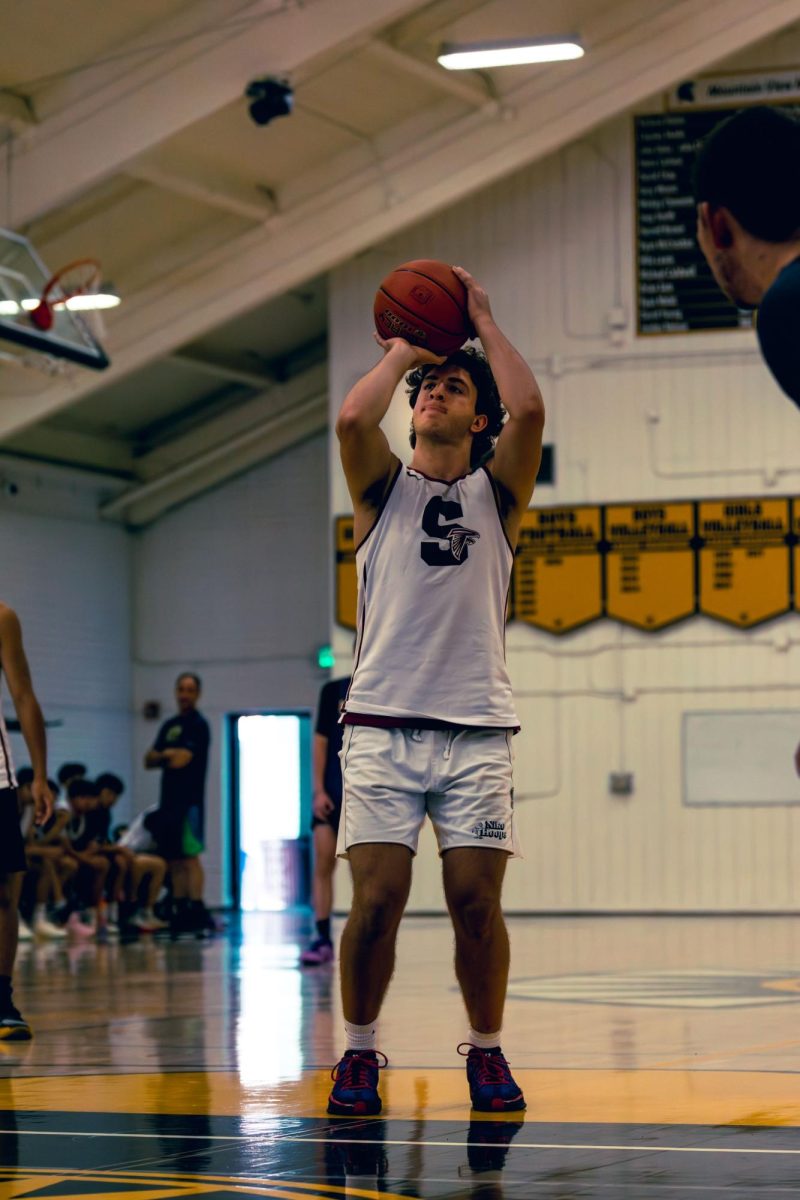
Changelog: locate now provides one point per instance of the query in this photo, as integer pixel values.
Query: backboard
(23, 277)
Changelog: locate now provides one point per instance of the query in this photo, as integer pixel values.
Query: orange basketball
(426, 303)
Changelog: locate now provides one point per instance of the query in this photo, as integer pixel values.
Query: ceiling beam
(257, 208)
(16, 112)
(136, 107)
(231, 372)
(441, 169)
(240, 439)
(464, 89)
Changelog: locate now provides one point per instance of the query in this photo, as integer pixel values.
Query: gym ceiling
(125, 134)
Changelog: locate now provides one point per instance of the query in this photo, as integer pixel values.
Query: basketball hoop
(79, 278)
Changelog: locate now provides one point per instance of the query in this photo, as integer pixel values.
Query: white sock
(484, 1041)
(359, 1037)
(39, 914)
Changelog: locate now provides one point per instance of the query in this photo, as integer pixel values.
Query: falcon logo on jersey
(451, 547)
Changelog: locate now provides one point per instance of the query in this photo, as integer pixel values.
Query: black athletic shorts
(12, 847)
(178, 830)
(333, 817)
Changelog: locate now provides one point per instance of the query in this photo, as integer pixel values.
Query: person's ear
(480, 423)
(720, 225)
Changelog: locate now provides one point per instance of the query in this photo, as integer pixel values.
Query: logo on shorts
(490, 829)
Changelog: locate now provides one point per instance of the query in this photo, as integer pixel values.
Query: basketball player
(14, 666)
(326, 812)
(429, 716)
(747, 188)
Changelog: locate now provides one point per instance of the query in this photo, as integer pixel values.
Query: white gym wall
(692, 416)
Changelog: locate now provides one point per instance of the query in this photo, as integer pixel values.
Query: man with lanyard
(180, 752)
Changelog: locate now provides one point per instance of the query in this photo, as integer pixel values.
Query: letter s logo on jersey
(451, 547)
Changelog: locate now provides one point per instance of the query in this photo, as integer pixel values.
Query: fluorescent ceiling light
(90, 302)
(509, 54)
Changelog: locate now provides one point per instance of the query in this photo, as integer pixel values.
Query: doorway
(271, 806)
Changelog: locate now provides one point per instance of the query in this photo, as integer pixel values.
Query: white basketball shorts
(394, 778)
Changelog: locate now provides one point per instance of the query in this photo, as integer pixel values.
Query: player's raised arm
(367, 459)
(518, 452)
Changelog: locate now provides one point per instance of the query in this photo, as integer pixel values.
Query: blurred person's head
(83, 795)
(187, 691)
(747, 191)
(69, 771)
(109, 789)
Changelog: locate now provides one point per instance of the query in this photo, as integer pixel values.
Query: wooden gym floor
(660, 1058)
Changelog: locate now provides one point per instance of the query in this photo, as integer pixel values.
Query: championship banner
(650, 564)
(744, 560)
(557, 583)
(346, 580)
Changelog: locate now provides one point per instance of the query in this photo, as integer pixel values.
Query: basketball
(426, 303)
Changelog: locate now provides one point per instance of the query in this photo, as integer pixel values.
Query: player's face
(445, 405)
(187, 693)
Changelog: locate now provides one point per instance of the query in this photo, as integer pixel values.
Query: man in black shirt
(747, 188)
(327, 808)
(180, 752)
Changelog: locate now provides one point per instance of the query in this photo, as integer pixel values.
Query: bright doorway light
(481, 55)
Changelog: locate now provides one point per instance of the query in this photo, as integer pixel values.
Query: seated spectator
(69, 771)
(93, 866)
(147, 865)
(48, 863)
(109, 789)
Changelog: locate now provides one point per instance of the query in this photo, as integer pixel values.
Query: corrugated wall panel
(683, 416)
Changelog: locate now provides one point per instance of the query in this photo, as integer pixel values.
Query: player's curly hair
(487, 402)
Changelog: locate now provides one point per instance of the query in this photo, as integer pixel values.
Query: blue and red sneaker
(492, 1087)
(355, 1084)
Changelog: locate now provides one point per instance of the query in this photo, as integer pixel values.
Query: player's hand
(417, 356)
(42, 801)
(322, 805)
(478, 305)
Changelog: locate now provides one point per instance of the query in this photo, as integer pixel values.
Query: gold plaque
(557, 581)
(650, 563)
(346, 574)
(744, 562)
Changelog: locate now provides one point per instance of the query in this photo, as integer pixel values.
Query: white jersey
(433, 579)
(7, 777)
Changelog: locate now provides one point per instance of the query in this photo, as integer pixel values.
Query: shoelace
(491, 1068)
(352, 1071)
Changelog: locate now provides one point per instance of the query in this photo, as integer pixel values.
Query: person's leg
(155, 869)
(195, 878)
(12, 1026)
(10, 889)
(321, 949)
(381, 881)
(473, 881)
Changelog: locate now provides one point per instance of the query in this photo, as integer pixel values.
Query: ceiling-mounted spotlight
(476, 55)
(269, 98)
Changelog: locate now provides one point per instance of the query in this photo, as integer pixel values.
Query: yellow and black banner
(649, 564)
(557, 583)
(745, 564)
(346, 574)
